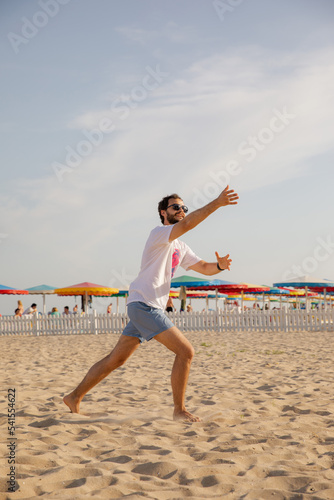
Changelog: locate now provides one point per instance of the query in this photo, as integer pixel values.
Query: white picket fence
(221, 321)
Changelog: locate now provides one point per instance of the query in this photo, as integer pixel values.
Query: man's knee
(187, 352)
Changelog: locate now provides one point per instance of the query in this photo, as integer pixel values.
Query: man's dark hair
(33, 305)
(163, 204)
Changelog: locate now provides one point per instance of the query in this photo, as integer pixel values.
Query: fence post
(94, 323)
(34, 321)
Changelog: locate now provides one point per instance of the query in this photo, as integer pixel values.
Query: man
(66, 311)
(148, 295)
(32, 310)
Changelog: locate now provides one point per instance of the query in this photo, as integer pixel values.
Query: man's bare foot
(185, 416)
(72, 403)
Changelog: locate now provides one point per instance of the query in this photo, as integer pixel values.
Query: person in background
(109, 309)
(66, 311)
(183, 298)
(54, 312)
(20, 307)
(170, 306)
(189, 308)
(75, 309)
(18, 313)
(31, 310)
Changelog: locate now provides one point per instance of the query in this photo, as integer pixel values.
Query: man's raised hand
(223, 262)
(228, 197)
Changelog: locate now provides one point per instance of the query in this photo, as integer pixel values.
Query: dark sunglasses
(178, 207)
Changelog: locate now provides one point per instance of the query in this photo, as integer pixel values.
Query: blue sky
(110, 105)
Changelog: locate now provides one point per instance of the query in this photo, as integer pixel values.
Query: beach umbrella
(287, 292)
(309, 283)
(219, 285)
(120, 293)
(206, 284)
(302, 293)
(317, 285)
(192, 294)
(249, 288)
(41, 290)
(86, 289)
(7, 290)
(188, 281)
(272, 290)
(189, 294)
(191, 283)
(198, 294)
(219, 295)
(239, 296)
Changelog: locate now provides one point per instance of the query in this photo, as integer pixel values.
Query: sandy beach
(266, 403)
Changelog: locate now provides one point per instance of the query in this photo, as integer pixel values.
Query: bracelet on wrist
(220, 269)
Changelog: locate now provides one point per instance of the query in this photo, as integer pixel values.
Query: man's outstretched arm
(226, 197)
(211, 268)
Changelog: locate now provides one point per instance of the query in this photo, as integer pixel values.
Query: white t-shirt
(30, 311)
(160, 260)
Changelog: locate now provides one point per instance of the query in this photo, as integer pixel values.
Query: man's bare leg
(121, 352)
(175, 341)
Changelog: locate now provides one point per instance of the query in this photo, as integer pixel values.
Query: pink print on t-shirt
(175, 260)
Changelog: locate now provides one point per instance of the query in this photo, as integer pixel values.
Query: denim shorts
(145, 321)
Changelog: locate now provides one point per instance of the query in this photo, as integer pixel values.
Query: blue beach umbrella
(274, 290)
(203, 284)
(7, 290)
(192, 283)
(41, 290)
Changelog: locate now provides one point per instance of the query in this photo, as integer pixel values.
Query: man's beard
(172, 219)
